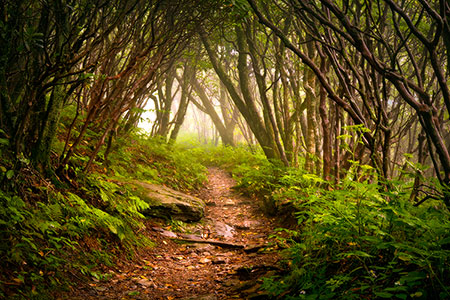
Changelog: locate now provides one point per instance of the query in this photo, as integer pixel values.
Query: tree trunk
(309, 84)
(42, 149)
(188, 73)
(271, 124)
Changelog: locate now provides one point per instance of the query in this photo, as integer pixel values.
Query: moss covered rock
(168, 203)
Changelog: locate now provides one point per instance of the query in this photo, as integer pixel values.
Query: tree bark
(189, 72)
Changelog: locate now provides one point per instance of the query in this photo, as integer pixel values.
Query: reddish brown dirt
(175, 270)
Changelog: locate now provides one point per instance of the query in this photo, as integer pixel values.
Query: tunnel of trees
(298, 79)
(329, 87)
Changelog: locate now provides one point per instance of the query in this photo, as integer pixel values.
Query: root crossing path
(180, 268)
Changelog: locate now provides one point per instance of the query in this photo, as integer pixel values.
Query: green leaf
(384, 295)
(358, 253)
(412, 277)
(445, 241)
(396, 289)
(9, 174)
(133, 293)
(112, 228)
(405, 256)
(344, 136)
(104, 196)
(416, 295)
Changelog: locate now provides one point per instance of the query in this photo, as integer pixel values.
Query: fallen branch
(254, 248)
(212, 242)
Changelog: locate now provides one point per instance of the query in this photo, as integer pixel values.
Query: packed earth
(224, 256)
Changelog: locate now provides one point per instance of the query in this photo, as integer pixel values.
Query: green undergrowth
(356, 242)
(225, 157)
(43, 242)
(55, 232)
(358, 239)
(254, 174)
(154, 160)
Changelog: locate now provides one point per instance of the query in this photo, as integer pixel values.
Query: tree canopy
(281, 68)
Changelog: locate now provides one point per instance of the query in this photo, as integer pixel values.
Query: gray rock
(168, 234)
(145, 282)
(229, 202)
(166, 202)
(219, 261)
(224, 230)
(165, 233)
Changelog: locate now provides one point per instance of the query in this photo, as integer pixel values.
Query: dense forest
(332, 116)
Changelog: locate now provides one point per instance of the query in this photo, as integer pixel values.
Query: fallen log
(212, 242)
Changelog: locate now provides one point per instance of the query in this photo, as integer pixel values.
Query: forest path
(179, 270)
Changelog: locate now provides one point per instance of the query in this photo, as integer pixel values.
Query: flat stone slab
(224, 230)
(168, 203)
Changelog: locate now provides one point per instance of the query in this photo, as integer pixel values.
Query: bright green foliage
(363, 245)
(89, 217)
(33, 244)
(225, 157)
(358, 239)
(257, 178)
(36, 240)
(355, 241)
(69, 229)
(118, 199)
(151, 159)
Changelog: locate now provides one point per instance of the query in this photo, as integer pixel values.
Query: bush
(357, 242)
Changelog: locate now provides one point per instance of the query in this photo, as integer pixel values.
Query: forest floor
(175, 269)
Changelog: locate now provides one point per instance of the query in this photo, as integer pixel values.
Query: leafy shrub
(354, 243)
(41, 241)
(32, 245)
(257, 179)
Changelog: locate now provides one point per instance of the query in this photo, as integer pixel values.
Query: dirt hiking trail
(175, 269)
